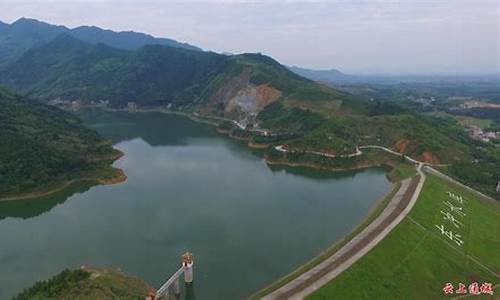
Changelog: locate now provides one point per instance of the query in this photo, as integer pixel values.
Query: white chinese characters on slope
(451, 216)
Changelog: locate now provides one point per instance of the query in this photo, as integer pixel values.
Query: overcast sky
(377, 36)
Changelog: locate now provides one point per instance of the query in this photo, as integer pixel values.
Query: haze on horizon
(358, 37)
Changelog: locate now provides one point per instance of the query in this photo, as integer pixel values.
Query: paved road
(397, 209)
(281, 148)
(391, 151)
(358, 152)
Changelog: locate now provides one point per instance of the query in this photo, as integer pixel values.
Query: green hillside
(69, 69)
(87, 283)
(421, 137)
(44, 147)
(24, 34)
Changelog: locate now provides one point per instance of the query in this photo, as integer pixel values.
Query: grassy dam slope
(417, 259)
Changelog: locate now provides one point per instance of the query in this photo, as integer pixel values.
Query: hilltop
(25, 33)
(331, 75)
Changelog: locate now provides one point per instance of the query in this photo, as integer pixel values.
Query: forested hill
(69, 69)
(43, 147)
(24, 34)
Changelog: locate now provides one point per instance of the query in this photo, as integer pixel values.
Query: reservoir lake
(188, 189)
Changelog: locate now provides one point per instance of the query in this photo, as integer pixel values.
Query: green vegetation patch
(471, 121)
(281, 119)
(401, 171)
(482, 171)
(466, 121)
(87, 284)
(340, 135)
(416, 260)
(43, 147)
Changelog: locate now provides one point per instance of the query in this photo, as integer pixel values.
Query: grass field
(401, 171)
(470, 121)
(466, 120)
(415, 260)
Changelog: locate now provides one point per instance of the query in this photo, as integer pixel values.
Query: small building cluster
(471, 104)
(249, 123)
(132, 106)
(78, 103)
(478, 104)
(483, 135)
(424, 101)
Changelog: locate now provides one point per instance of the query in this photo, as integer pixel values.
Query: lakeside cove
(347, 162)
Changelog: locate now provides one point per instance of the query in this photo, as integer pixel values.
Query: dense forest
(44, 146)
(66, 68)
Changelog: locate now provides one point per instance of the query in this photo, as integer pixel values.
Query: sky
(354, 36)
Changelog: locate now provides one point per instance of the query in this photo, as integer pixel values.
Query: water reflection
(318, 174)
(30, 208)
(190, 292)
(156, 129)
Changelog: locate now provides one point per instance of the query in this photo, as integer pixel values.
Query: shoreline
(314, 166)
(33, 195)
(249, 143)
(119, 177)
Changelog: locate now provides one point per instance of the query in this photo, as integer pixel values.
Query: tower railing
(173, 281)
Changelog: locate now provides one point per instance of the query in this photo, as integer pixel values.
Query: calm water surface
(188, 189)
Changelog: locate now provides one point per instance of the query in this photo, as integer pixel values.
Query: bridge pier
(177, 288)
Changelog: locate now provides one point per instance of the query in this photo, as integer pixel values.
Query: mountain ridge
(330, 75)
(26, 33)
(156, 75)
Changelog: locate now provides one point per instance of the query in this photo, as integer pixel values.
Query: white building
(132, 106)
